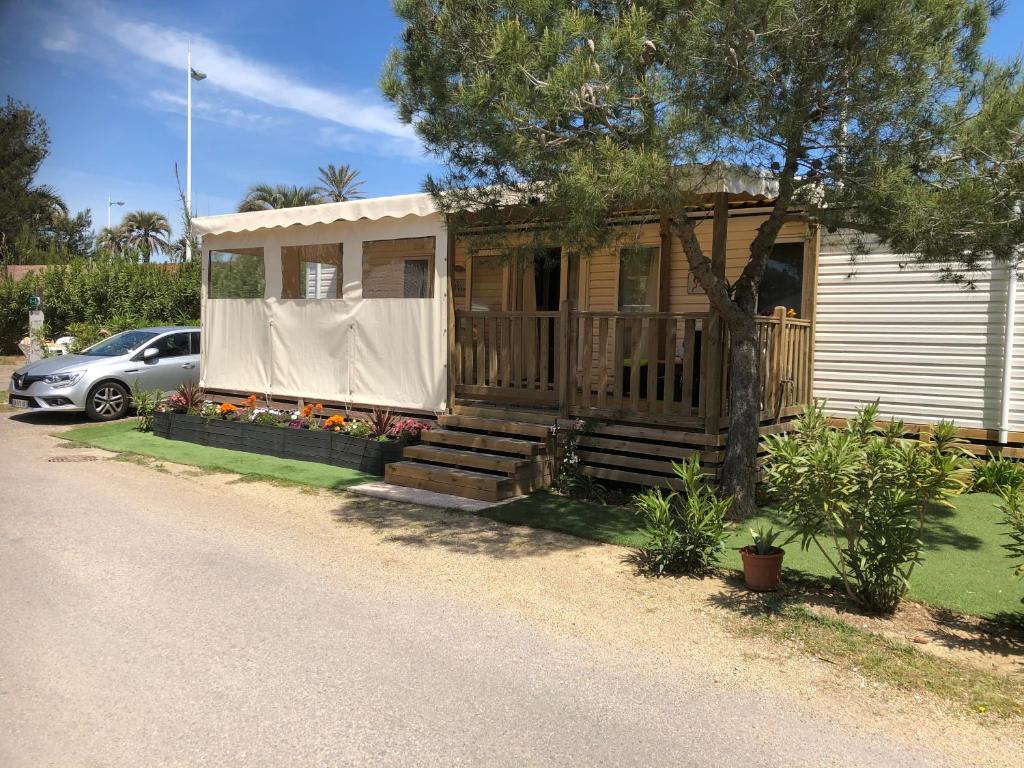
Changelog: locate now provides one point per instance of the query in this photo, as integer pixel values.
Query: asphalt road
(136, 629)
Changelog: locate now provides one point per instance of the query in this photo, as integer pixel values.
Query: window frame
(653, 278)
(397, 261)
(235, 251)
(296, 255)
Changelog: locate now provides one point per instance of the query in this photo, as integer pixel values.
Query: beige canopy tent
(343, 302)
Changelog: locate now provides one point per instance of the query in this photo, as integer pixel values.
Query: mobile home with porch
(371, 303)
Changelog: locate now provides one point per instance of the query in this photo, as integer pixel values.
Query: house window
(311, 271)
(783, 281)
(638, 279)
(398, 269)
(237, 273)
(487, 278)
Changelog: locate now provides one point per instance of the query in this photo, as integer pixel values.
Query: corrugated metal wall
(928, 350)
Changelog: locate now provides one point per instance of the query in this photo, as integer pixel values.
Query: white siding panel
(927, 350)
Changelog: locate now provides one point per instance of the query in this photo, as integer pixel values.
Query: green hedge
(108, 292)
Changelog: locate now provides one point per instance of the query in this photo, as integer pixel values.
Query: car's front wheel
(107, 401)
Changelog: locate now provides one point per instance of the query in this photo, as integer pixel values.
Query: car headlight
(58, 380)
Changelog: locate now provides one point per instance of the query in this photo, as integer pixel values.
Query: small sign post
(36, 321)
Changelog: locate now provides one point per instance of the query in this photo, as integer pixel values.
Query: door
(174, 364)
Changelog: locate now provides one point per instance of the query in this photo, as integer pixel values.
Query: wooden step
(451, 480)
(496, 426)
(490, 443)
(452, 457)
(506, 414)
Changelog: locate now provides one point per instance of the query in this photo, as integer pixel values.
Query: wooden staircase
(488, 454)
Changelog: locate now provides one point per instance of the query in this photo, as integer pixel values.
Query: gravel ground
(152, 618)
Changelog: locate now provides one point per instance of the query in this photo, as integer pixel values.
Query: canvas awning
(395, 207)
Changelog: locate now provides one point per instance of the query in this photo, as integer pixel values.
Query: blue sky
(291, 86)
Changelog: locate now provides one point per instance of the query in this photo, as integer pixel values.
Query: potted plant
(762, 561)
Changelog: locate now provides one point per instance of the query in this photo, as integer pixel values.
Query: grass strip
(892, 662)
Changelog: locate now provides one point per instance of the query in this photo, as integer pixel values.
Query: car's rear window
(120, 344)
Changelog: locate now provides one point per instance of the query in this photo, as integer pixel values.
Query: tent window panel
(417, 279)
(237, 273)
(487, 280)
(638, 279)
(783, 281)
(398, 269)
(311, 271)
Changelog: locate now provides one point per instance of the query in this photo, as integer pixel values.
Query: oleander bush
(686, 530)
(861, 494)
(997, 473)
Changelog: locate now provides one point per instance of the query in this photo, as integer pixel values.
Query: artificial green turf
(122, 436)
(964, 568)
(614, 525)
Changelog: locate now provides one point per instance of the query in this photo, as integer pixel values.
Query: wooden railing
(638, 363)
(786, 346)
(508, 356)
(661, 367)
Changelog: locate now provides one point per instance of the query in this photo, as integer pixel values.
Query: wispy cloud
(239, 74)
(61, 38)
(207, 110)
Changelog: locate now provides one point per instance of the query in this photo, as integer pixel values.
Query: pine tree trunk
(739, 470)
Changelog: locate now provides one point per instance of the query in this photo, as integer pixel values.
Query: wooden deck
(649, 388)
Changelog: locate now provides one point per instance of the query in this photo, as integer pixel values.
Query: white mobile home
(926, 349)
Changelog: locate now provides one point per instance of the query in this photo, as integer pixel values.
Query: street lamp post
(191, 74)
(109, 204)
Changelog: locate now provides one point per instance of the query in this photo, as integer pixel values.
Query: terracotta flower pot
(761, 572)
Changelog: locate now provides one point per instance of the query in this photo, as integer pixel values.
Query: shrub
(187, 399)
(686, 530)
(998, 473)
(1013, 515)
(112, 293)
(146, 402)
(408, 430)
(379, 423)
(861, 495)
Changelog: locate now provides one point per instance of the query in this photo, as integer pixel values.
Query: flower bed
(364, 443)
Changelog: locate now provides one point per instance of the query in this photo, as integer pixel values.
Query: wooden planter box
(323, 447)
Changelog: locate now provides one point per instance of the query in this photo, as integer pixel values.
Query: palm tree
(113, 239)
(148, 231)
(47, 203)
(265, 197)
(339, 184)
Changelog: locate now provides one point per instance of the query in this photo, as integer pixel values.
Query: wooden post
(712, 335)
(565, 366)
(452, 367)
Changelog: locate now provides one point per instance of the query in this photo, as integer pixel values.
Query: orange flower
(335, 423)
(319, 407)
(306, 410)
(251, 401)
(227, 408)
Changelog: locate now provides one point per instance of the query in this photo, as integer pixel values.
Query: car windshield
(119, 344)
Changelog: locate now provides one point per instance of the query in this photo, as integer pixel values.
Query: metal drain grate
(72, 457)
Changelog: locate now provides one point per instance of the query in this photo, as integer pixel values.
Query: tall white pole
(188, 152)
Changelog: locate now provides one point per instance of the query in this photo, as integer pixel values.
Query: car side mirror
(150, 355)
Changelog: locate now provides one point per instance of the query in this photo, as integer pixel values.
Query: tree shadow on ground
(796, 587)
(458, 532)
(939, 532)
(1001, 635)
